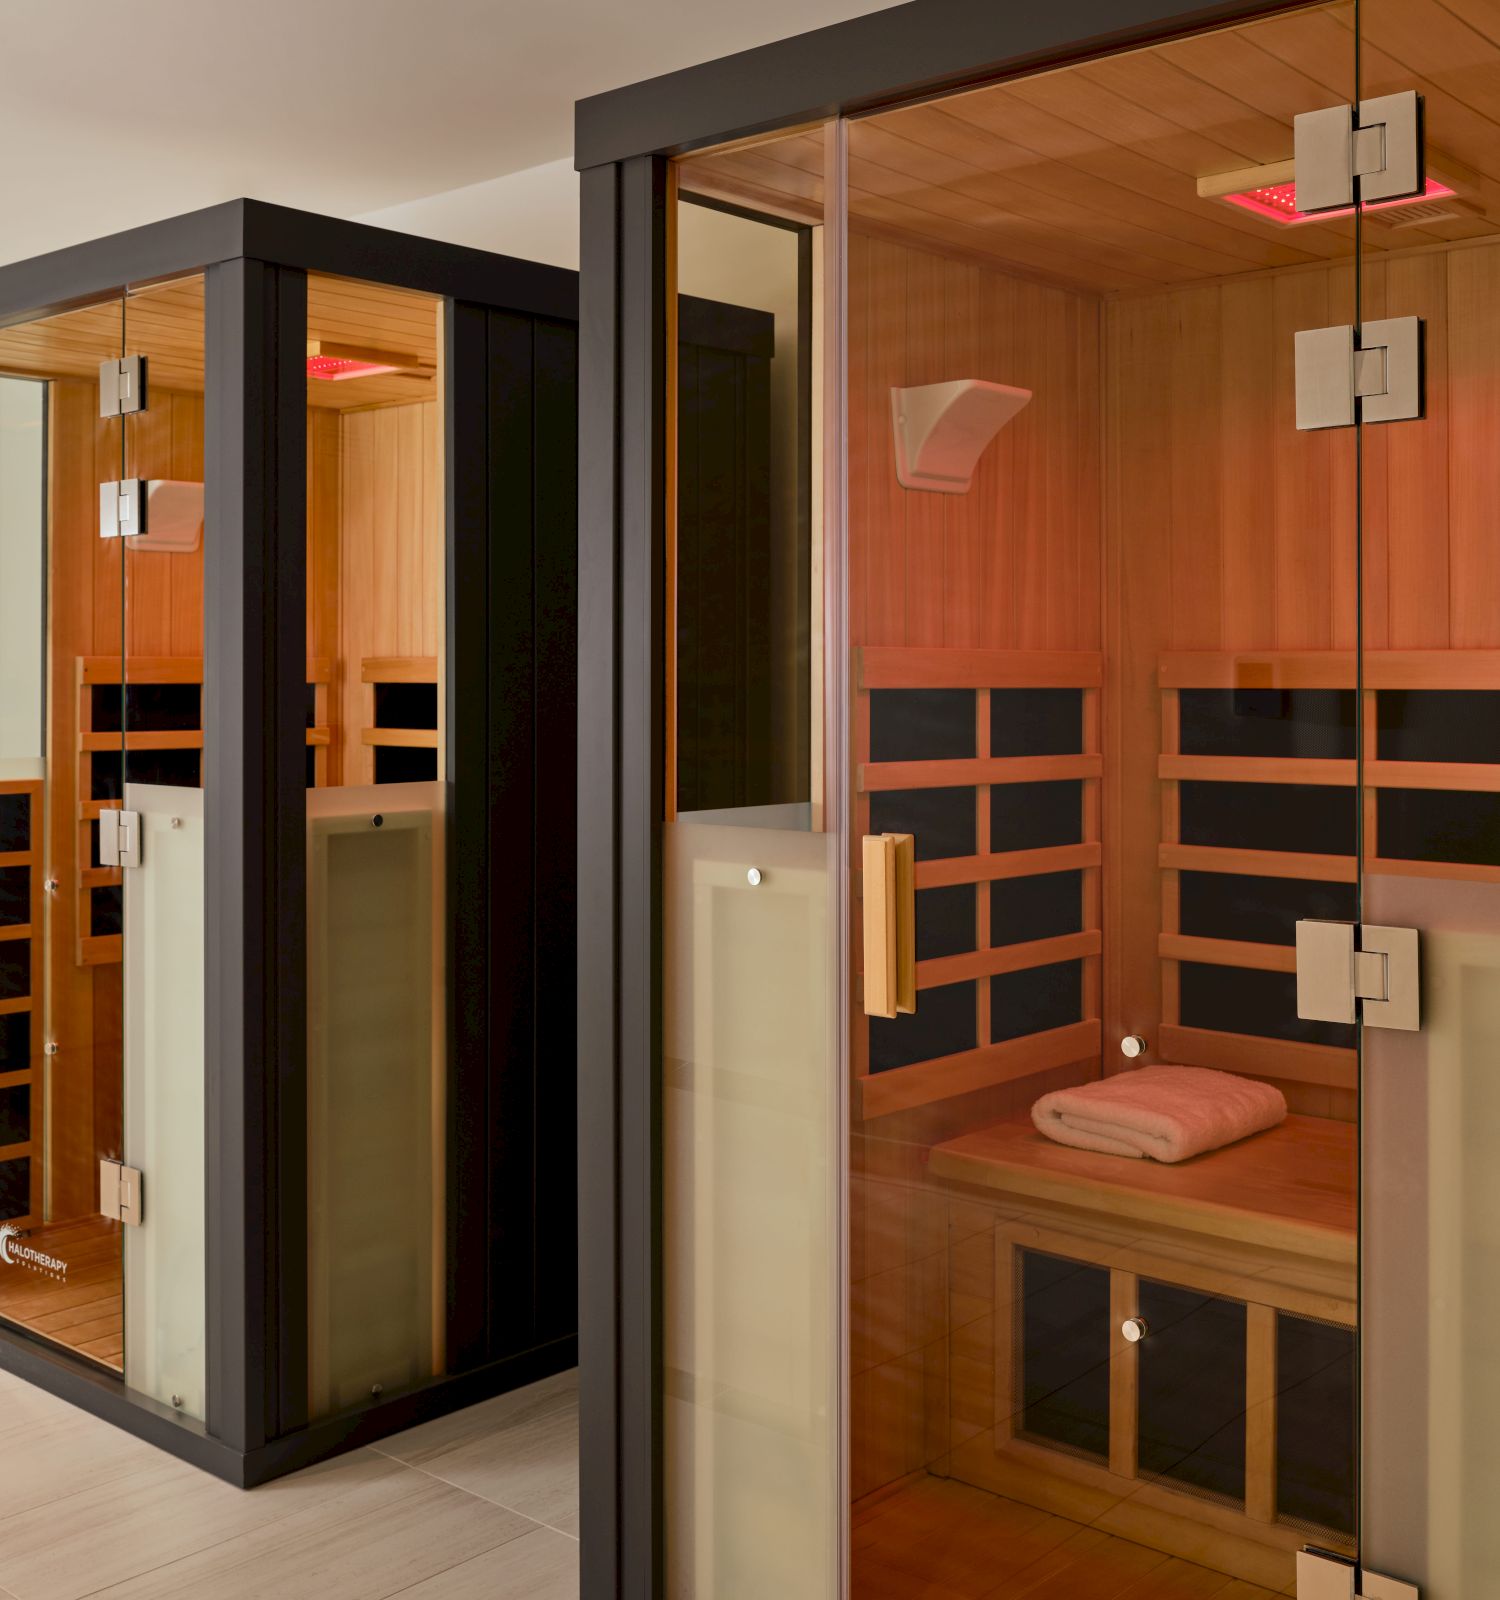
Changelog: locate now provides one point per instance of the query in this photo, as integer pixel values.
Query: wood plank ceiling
(1089, 175)
(165, 322)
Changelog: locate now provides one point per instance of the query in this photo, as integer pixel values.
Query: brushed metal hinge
(119, 838)
(120, 1193)
(122, 386)
(1326, 1577)
(1370, 374)
(122, 508)
(1382, 974)
(1369, 152)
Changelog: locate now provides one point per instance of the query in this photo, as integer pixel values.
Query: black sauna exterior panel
(1232, 905)
(1035, 1000)
(946, 924)
(1046, 906)
(940, 821)
(1035, 816)
(396, 763)
(945, 1023)
(1192, 1389)
(15, 1188)
(922, 724)
(1306, 723)
(1438, 725)
(15, 822)
(1062, 1350)
(1314, 818)
(406, 705)
(1036, 722)
(1244, 1000)
(1438, 825)
(15, 1040)
(15, 895)
(1317, 1404)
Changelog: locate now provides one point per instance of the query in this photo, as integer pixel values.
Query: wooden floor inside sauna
(936, 1539)
(84, 1312)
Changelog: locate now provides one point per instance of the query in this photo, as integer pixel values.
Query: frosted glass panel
(377, 1078)
(164, 1074)
(750, 1110)
(1432, 1237)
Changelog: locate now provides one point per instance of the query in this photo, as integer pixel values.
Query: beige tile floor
(477, 1506)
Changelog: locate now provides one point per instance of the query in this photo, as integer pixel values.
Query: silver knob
(1132, 1045)
(752, 877)
(1134, 1329)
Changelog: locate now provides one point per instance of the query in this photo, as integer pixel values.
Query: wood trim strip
(165, 739)
(1260, 1412)
(950, 870)
(1257, 863)
(17, 858)
(20, 1003)
(398, 669)
(975, 964)
(891, 667)
(100, 950)
(882, 1093)
(1451, 775)
(1326, 1065)
(13, 931)
(1449, 871)
(406, 738)
(1257, 769)
(103, 670)
(18, 1079)
(1124, 1375)
(100, 877)
(1329, 669)
(1227, 952)
(875, 776)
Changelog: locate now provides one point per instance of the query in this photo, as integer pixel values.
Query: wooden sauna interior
(1111, 692)
(374, 503)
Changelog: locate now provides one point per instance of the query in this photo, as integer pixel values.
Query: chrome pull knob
(1134, 1329)
(1132, 1045)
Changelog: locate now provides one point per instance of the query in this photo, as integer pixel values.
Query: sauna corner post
(255, 869)
(621, 590)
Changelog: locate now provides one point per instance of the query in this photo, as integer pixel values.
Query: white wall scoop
(942, 429)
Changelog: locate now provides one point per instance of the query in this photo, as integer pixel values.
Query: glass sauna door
(1431, 849)
(101, 916)
(1102, 609)
(61, 769)
(1103, 628)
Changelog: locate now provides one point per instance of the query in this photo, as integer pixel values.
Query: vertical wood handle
(890, 915)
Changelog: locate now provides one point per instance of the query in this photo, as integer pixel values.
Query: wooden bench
(1255, 1245)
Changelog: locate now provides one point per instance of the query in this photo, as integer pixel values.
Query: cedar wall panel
(389, 558)
(1014, 563)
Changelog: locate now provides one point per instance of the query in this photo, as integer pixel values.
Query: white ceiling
(117, 114)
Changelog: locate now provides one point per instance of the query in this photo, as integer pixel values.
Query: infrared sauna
(1076, 1084)
(287, 525)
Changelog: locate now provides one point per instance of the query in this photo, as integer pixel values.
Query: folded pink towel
(1168, 1113)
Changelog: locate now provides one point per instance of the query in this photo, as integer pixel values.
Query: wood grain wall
(1015, 563)
(389, 563)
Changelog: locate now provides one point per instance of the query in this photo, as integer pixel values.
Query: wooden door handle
(890, 892)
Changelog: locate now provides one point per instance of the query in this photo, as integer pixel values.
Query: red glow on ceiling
(333, 369)
(1278, 201)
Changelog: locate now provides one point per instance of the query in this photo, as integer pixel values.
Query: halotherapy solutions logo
(16, 1254)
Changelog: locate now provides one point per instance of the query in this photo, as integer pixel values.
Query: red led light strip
(1278, 201)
